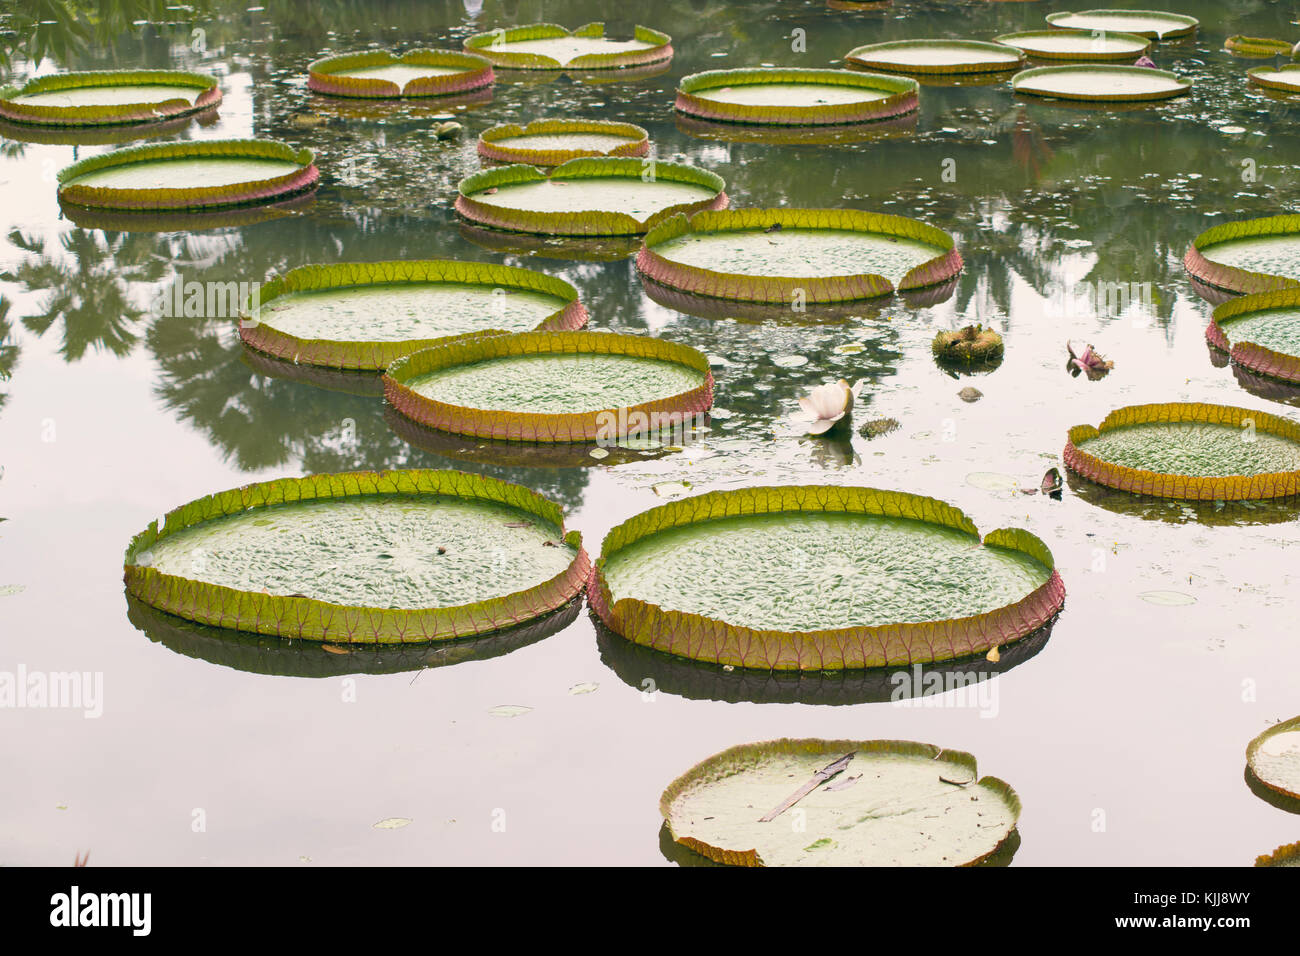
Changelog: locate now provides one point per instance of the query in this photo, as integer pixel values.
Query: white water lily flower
(827, 406)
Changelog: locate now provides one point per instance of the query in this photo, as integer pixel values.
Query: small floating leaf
(392, 823)
(509, 710)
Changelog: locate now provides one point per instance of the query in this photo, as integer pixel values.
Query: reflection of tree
(88, 293)
(8, 350)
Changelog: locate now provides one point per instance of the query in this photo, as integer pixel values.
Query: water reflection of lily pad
(897, 127)
(348, 381)
(582, 248)
(102, 135)
(186, 220)
(1274, 758)
(1175, 511)
(865, 803)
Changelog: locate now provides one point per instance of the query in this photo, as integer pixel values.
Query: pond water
(1124, 733)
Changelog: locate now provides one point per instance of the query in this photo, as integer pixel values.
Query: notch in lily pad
(379, 74)
(548, 46)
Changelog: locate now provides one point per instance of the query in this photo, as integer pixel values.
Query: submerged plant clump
(972, 346)
(109, 97)
(380, 74)
(795, 97)
(861, 803)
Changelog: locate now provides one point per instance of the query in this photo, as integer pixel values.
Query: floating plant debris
(552, 386)
(1088, 361)
(820, 578)
(795, 97)
(364, 315)
(936, 56)
(1156, 24)
(546, 46)
(1274, 758)
(866, 803)
(1077, 45)
(1249, 255)
(1190, 450)
(194, 174)
(796, 255)
(104, 97)
(1285, 78)
(972, 346)
(588, 197)
(380, 74)
(365, 557)
(1101, 83)
(553, 142)
(1261, 333)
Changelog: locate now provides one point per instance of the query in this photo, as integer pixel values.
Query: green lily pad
(107, 97)
(1278, 78)
(1076, 45)
(1156, 24)
(552, 142)
(935, 56)
(794, 97)
(380, 74)
(1257, 46)
(1277, 329)
(1261, 333)
(1198, 449)
(546, 46)
(1250, 255)
(1274, 758)
(1100, 82)
(893, 803)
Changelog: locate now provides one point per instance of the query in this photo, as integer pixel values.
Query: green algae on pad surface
(1260, 332)
(552, 386)
(820, 578)
(380, 74)
(1156, 24)
(104, 97)
(1249, 255)
(1076, 45)
(1278, 78)
(864, 803)
(778, 255)
(1274, 758)
(363, 315)
(188, 175)
(1192, 451)
(547, 46)
(364, 556)
(1100, 82)
(587, 197)
(936, 56)
(552, 142)
(795, 97)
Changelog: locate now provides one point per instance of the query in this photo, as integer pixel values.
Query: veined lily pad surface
(188, 175)
(1251, 255)
(1156, 24)
(1193, 451)
(867, 803)
(378, 73)
(588, 197)
(1102, 82)
(363, 315)
(552, 142)
(1274, 758)
(1261, 333)
(773, 255)
(794, 97)
(1077, 45)
(820, 578)
(1278, 78)
(552, 386)
(364, 557)
(546, 46)
(103, 97)
(936, 56)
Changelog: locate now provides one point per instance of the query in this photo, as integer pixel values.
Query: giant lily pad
(778, 255)
(1101, 83)
(1274, 758)
(380, 74)
(196, 174)
(1076, 45)
(1156, 24)
(795, 97)
(1261, 332)
(1285, 78)
(936, 56)
(1256, 46)
(546, 46)
(1190, 450)
(363, 315)
(820, 578)
(105, 97)
(552, 386)
(365, 557)
(552, 142)
(1249, 255)
(863, 803)
(588, 197)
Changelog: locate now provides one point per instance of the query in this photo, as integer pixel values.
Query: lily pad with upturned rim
(194, 174)
(380, 74)
(1286, 77)
(1260, 332)
(588, 197)
(1256, 46)
(1274, 758)
(1076, 45)
(936, 56)
(795, 97)
(548, 46)
(361, 557)
(1156, 24)
(1248, 255)
(774, 255)
(553, 142)
(1190, 451)
(893, 802)
(1284, 856)
(552, 386)
(828, 578)
(364, 315)
(1100, 83)
(109, 97)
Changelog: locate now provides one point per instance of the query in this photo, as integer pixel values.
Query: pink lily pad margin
(108, 114)
(1249, 355)
(1200, 265)
(902, 97)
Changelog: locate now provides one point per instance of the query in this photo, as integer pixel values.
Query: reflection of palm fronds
(8, 348)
